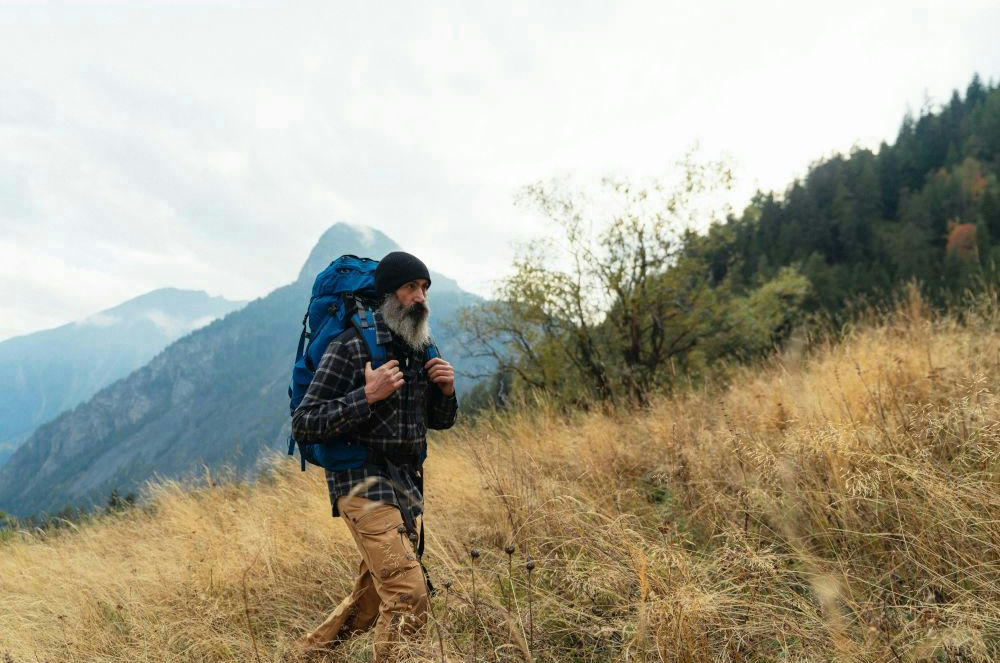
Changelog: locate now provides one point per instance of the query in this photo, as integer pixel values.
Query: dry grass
(838, 507)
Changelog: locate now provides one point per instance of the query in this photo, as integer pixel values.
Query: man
(388, 409)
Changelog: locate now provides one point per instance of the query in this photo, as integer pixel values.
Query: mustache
(416, 310)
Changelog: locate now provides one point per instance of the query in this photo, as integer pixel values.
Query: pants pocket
(377, 530)
(376, 520)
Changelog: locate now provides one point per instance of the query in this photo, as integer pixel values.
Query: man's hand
(442, 374)
(381, 382)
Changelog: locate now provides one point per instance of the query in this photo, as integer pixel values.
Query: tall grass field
(838, 503)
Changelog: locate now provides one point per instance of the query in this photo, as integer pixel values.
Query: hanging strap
(391, 467)
(431, 590)
(302, 337)
(384, 465)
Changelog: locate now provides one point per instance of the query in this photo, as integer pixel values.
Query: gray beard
(415, 330)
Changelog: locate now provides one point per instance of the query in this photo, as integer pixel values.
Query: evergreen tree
(864, 223)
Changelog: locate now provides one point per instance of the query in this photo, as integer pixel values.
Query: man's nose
(419, 297)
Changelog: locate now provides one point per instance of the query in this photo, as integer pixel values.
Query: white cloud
(198, 323)
(208, 145)
(100, 320)
(366, 232)
(175, 326)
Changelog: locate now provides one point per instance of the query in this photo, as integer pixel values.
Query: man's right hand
(381, 382)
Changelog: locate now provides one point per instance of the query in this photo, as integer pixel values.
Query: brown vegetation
(961, 240)
(841, 506)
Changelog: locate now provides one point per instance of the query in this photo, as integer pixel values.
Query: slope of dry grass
(839, 507)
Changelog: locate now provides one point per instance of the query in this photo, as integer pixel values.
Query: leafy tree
(628, 297)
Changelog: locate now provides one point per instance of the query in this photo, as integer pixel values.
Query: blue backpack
(342, 296)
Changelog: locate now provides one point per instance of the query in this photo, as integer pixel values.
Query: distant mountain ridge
(216, 397)
(48, 372)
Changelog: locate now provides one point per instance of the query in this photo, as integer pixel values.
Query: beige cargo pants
(389, 591)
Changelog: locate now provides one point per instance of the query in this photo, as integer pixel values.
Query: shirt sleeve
(335, 401)
(441, 409)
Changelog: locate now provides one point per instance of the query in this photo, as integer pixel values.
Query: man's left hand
(442, 374)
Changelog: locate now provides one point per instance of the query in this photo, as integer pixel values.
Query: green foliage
(761, 319)
(627, 299)
(861, 225)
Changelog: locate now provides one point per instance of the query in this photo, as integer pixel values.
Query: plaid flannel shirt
(335, 403)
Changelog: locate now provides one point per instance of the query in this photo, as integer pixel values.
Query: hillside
(837, 505)
(215, 397)
(618, 302)
(925, 207)
(48, 372)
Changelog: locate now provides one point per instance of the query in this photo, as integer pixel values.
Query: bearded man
(388, 409)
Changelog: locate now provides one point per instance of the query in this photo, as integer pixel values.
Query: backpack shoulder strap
(432, 351)
(364, 321)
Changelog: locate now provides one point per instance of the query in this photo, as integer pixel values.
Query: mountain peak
(341, 238)
(363, 241)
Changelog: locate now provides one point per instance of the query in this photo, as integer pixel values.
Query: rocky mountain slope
(48, 372)
(216, 397)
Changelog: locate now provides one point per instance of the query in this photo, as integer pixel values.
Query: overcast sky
(208, 145)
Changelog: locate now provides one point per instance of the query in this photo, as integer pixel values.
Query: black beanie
(397, 268)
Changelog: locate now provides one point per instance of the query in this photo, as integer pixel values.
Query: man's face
(406, 313)
(413, 297)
